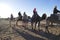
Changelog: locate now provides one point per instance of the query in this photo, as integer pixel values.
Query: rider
(19, 16)
(25, 17)
(35, 13)
(55, 11)
(11, 16)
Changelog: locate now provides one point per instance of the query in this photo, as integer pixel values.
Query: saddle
(54, 16)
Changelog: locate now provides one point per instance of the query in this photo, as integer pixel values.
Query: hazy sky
(14, 6)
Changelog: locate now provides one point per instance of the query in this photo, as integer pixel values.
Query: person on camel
(11, 17)
(19, 16)
(25, 20)
(55, 14)
(55, 10)
(35, 13)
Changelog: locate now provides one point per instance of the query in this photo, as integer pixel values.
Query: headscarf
(34, 10)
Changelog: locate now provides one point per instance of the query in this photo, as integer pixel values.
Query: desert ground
(13, 32)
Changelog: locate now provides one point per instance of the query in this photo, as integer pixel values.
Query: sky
(14, 6)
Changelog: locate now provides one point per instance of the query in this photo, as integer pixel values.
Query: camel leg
(47, 29)
(38, 25)
(47, 24)
(51, 23)
(17, 22)
(10, 22)
(35, 24)
(32, 24)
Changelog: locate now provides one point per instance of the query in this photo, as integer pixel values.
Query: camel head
(44, 16)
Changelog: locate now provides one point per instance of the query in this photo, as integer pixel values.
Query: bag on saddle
(58, 16)
(54, 16)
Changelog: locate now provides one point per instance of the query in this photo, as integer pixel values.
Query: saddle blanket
(58, 16)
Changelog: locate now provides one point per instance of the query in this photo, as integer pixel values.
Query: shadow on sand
(26, 35)
(50, 36)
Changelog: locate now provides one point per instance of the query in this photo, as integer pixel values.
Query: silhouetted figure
(19, 18)
(25, 19)
(11, 17)
(55, 15)
(35, 13)
(36, 18)
(55, 11)
(54, 18)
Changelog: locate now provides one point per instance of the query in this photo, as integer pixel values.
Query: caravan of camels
(36, 19)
